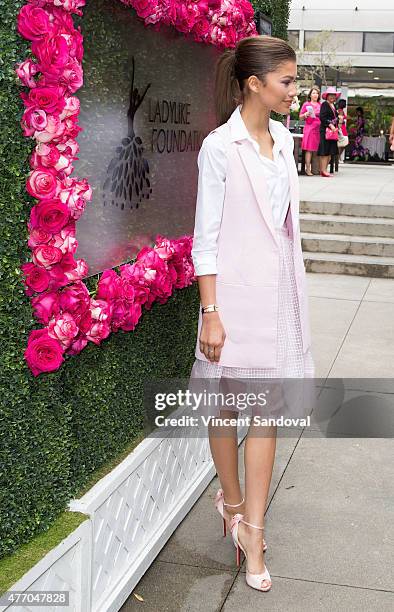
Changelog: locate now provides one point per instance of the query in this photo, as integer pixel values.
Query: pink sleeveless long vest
(248, 259)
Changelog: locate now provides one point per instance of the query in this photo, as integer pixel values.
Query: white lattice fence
(131, 513)
(67, 567)
(136, 508)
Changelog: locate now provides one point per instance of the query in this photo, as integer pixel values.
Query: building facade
(354, 37)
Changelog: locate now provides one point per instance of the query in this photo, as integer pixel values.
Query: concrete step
(342, 243)
(352, 209)
(356, 265)
(349, 225)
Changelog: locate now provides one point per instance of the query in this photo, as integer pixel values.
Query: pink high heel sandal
(261, 582)
(219, 505)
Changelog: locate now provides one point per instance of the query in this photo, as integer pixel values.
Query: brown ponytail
(254, 55)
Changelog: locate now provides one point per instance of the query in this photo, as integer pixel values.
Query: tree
(315, 67)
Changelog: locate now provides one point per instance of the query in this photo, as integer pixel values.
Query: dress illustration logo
(127, 181)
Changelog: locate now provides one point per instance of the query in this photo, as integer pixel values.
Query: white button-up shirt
(212, 166)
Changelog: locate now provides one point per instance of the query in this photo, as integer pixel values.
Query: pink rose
(162, 286)
(78, 344)
(100, 310)
(109, 286)
(65, 240)
(57, 277)
(71, 76)
(42, 183)
(63, 328)
(80, 271)
(66, 264)
(43, 353)
(45, 306)
(247, 9)
(49, 99)
(131, 316)
(72, 107)
(55, 128)
(50, 215)
(135, 273)
(75, 194)
(201, 29)
(75, 299)
(38, 236)
(143, 7)
(84, 320)
(214, 4)
(164, 247)
(52, 54)
(125, 314)
(26, 71)
(161, 278)
(150, 258)
(46, 255)
(70, 148)
(46, 155)
(98, 331)
(36, 278)
(33, 120)
(70, 5)
(75, 45)
(33, 22)
(72, 128)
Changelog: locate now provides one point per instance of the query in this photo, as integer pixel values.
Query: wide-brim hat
(331, 90)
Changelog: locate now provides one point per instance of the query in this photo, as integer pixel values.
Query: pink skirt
(291, 361)
(311, 138)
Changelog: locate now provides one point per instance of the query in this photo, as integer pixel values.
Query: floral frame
(70, 315)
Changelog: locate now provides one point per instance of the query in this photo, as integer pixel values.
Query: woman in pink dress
(311, 136)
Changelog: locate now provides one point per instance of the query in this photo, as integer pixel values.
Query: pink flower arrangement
(53, 279)
(218, 22)
(72, 317)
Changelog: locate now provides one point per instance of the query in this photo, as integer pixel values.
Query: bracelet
(209, 308)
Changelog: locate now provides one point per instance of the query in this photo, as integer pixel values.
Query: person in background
(358, 150)
(343, 137)
(310, 112)
(391, 136)
(328, 146)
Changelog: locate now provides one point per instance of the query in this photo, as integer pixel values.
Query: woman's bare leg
(324, 159)
(308, 160)
(259, 459)
(223, 442)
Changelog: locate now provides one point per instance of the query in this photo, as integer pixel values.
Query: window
(379, 42)
(339, 42)
(294, 38)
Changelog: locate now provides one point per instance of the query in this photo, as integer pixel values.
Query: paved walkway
(352, 183)
(329, 524)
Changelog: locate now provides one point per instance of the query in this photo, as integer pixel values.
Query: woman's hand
(212, 336)
(332, 127)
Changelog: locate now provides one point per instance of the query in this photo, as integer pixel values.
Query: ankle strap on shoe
(251, 525)
(235, 505)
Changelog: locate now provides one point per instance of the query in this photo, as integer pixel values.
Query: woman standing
(253, 322)
(310, 111)
(343, 138)
(328, 129)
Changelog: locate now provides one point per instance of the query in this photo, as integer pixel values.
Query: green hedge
(57, 429)
(278, 11)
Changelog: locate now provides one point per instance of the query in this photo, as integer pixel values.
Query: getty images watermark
(320, 407)
(204, 402)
